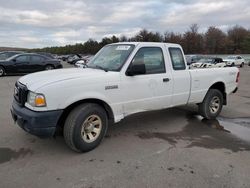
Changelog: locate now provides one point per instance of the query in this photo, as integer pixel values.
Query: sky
(41, 23)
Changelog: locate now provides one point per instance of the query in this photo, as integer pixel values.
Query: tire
(212, 104)
(49, 67)
(2, 71)
(232, 65)
(242, 64)
(78, 131)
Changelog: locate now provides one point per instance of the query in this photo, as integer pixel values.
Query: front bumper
(41, 124)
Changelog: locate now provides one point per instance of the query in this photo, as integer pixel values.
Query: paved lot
(167, 148)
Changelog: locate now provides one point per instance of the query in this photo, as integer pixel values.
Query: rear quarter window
(177, 58)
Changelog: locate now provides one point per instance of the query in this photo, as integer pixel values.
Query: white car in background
(234, 61)
(210, 62)
(84, 61)
(81, 63)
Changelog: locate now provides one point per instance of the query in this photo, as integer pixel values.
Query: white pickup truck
(122, 79)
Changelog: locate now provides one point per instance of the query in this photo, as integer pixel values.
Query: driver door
(148, 91)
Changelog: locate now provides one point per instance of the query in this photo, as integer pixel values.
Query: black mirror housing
(136, 69)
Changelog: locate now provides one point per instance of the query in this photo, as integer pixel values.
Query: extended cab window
(153, 59)
(177, 59)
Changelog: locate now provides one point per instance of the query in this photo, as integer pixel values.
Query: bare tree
(193, 40)
(215, 40)
(237, 35)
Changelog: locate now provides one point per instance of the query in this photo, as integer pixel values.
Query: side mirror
(136, 69)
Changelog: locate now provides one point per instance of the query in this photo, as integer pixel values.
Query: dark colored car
(193, 58)
(8, 54)
(212, 60)
(47, 54)
(27, 63)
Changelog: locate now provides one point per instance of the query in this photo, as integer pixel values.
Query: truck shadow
(176, 125)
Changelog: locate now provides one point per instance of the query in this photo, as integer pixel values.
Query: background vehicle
(122, 79)
(47, 54)
(190, 59)
(209, 62)
(234, 61)
(28, 62)
(63, 57)
(8, 54)
(73, 58)
(83, 61)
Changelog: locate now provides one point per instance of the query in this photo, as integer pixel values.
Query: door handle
(166, 79)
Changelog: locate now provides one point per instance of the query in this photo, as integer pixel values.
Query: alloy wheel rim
(1, 72)
(91, 128)
(214, 105)
(49, 68)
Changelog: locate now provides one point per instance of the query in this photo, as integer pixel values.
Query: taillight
(238, 77)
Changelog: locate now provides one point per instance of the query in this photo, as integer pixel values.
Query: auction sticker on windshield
(122, 47)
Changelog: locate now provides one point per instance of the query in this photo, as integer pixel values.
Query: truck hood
(37, 80)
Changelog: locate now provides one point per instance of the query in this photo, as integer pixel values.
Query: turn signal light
(40, 100)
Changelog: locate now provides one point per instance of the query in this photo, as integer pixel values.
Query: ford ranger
(122, 79)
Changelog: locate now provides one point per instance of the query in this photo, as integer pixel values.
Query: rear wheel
(85, 127)
(212, 104)
(49, 67)
(2, 71)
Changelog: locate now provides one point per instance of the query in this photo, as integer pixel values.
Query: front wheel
(242, 64)
(2, 71)
(212, 104)
(49, 67)
(85, 127)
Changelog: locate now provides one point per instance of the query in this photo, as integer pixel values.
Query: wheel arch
(70, 107)
(221, 87)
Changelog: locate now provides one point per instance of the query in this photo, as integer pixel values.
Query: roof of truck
(148, 43)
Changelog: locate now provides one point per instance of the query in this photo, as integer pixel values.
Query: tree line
(235, 40)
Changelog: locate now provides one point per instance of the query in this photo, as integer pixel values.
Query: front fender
(83, 96)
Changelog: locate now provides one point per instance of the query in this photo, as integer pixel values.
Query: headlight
(36, 100)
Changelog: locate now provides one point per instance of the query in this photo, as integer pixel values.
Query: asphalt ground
(167, 148)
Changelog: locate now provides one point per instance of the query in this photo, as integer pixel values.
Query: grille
(20, 93)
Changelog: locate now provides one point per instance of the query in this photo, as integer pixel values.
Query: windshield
(111, 57)
(12, 57)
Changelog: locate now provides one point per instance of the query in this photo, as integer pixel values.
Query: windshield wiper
(102, 68)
